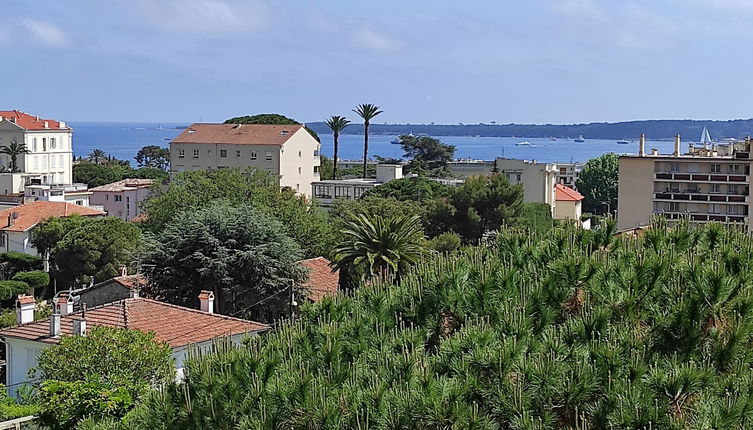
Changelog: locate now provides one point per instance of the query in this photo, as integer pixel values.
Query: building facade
(704, 184)
(288, 152)
(122, 199)
(568, 205)
(329, 190)
(50, 151)
(538, 179)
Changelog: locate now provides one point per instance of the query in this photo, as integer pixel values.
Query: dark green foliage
(11, 408)
(369, 205)
(19, 262)
(367, 112)
(269, 118)
(535, 217)
(99, 375)
(95, 175)
(337, 125)
(238, 252)
(34, 279)
(551, 331)
(446, 242)
(13, 150)
(416, 189)
(153, 156)
(10, 289)
(426, 153)
(598, 184)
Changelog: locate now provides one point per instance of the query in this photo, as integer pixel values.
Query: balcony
(701, 177)
(705, 217)
(695, 196)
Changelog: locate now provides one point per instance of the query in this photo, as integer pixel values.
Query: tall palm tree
(13, 150)
(367, 111)
(380, 245)
(336, 124)
(97, 156)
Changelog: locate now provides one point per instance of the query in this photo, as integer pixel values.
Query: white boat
(706, 137)
(524, 143)
(579, 139)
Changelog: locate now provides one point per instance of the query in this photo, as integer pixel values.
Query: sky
(421, 61)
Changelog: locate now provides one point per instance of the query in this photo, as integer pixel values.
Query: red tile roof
(25, 299)
(124, 185)
(137, 281)
(567, 194)
(175, 325)
(238, 134)
(28, 121)
(34, 213)
(322, 280)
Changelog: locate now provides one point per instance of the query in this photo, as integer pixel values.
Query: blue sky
(525, 61)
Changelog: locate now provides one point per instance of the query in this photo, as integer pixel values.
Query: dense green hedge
(35, 278)
(10, 289)
(20, 262)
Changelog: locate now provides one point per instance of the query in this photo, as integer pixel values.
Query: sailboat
(579, 139)
(705, 137)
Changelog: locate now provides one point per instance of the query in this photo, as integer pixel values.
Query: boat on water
(622, 142)
(395, 141)
(524, 143)
(706, 137)
(553, 138)
(579, 139)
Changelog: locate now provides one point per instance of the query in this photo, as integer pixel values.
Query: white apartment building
(538, 179)
(288, 152)
(50, 156)
(123, 198)
(704, 184)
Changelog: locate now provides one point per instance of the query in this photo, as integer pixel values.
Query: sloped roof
(30, 122)
(238, 134)
(564, 193)
(34, 213)
(322, 280)
(175, 325)
(130, 282)
(124, 185)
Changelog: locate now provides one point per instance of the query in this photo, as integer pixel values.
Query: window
(732, 209)
(253, 155)
(316, 153)
(44, 144)
(52, 161)
(673, 207)
(732, 189)
(79, 202)
(517, 177)
(713, 208)
(716, 168)
(107, 197)
(713, 188)
(299, 154)
(268, 156)
(299, 170)
(342, 192)
(674, 167)
(358, 191)
(323, 191)
(33, 144)
(563, 170)
(237, 153)
(52, 143)
(316, 170)
(118, 198)
(181, 153)
(223, 153)
(674, 187)
(297, 187)
(734, 168)
(195, 153)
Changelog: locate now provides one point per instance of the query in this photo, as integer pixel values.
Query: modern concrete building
(288, 152)
(705, 184)
(538, 179)
(568, 174)
(122, 199)
(328, 190)
(50, 156)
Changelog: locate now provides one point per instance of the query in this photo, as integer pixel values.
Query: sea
(122, 141)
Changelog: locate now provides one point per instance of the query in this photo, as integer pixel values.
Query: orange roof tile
(564, 193)
(322, 280)
(28, 121)
(124, 185)
(25, 299)
(238, 134)
(175, 325)
(34, 213)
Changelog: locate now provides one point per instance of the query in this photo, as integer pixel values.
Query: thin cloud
(206, 17)
(368, 38)
(44, 32)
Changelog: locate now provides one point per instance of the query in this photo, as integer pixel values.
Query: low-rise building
(568, 174)
(120, 287)
(328, 190)
(17, 223)
(288, 152)
(179, 327)
(568, 203)
(538, 179)
(704, 184)
(122, 199)
(322, 280)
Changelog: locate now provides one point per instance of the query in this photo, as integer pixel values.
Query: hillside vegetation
(571, 329)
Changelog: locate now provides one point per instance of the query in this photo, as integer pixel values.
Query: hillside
(654, 129)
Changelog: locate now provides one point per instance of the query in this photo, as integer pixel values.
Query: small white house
(181, 328)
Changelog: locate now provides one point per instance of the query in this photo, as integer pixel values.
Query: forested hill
(655, 129)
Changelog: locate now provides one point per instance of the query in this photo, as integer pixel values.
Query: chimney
(55, 325)
(79, 327)
(654, 151)
(642, 145)
(62, 124)
(64, 304)
(46, 124)
(677, 146)
(123, 270)
(25, 309)
(206, 298)
(133, 293)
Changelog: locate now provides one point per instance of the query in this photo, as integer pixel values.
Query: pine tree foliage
(570, 329)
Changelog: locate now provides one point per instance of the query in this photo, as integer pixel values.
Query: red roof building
(30, 122)
(567, 194)
(567, 203)
(322, 281)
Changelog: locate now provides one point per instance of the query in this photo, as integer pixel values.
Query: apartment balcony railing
(690, 196)
(702, 177)
(705, 217)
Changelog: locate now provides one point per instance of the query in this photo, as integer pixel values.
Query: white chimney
(25, 309)
(46, 124)
(123, 270)
(55, 325)
(64, 304)
(62, 124)
(677, 146)
(206, 299)
(642, 145)
(133, 293)
(79, 327)
(654, 151)
(388, 172)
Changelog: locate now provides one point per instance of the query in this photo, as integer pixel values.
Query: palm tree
(336, 124)
(97, 155)
(13, 150)
(367, 111)
(379, 245)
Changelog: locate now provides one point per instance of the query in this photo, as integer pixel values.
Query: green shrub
(20, 262)
(536, 217)
(35, 279)
(10, 408)
(446, 242)
(9, 289)
(65, 403)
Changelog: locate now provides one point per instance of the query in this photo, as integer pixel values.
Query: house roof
(130, 282)
(568, 194)
(30, 122)
(125, 185)
(175, 325)
(34, 213)
(238, 134)
(322, 280)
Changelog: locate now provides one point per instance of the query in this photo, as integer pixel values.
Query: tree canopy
(269, 118)
(598, 183)
(95, 175)
(426, 153)
(239, 252)
(153, 156)
(416, 189)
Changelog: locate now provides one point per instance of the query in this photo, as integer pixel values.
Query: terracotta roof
(125, 185)
(322, 280)
(136, 281)
(205, 295)
(175, 325)
(30, 122)
(238, 134)
(567, 194)
(25, 299)
(34, 213)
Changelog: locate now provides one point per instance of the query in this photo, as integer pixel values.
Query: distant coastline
(690, 130)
